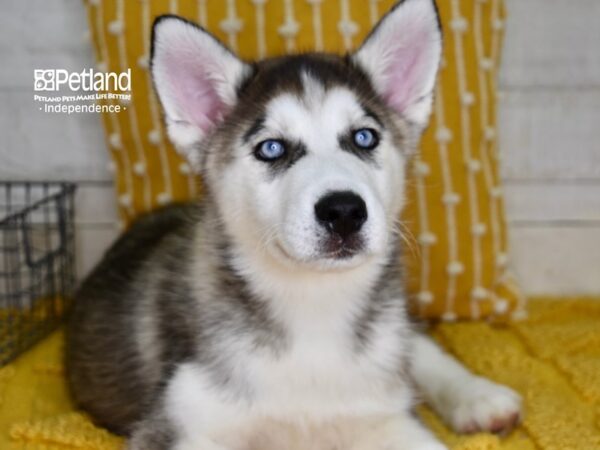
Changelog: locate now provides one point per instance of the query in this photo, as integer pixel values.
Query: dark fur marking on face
(255, 128)
(272, 77)
(293, 152)
(346, 141)
(284, 74)
(370, 113)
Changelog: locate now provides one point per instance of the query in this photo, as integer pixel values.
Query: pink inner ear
(406, 65)
(194, 90)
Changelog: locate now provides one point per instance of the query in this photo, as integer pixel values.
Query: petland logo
(90, 86)
(86, 80)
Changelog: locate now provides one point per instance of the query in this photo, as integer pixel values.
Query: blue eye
(269, 150)
(365, 138)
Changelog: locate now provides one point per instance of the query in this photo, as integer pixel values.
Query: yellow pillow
(454, 223)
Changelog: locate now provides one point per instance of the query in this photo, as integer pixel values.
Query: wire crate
(37, 271)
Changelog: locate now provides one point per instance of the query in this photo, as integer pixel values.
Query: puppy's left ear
(402, 55)
(196, 79)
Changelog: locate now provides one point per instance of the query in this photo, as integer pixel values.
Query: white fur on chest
(319, 376)
(323, 375)
(322, 372)
(319, 380)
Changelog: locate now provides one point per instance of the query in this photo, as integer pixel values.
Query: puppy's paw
(483, 405)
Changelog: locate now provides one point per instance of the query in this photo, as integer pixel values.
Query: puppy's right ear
(196, 78)
(402, 55)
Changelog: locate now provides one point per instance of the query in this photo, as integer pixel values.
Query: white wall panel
(557, 260)
(553, 202)
(552, 43)
(550, 134)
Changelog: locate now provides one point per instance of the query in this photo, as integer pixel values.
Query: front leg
(467, 402)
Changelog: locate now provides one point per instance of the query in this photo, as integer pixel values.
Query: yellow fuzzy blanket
(553, 359)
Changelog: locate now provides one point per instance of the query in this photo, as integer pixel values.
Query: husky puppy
(271, 315)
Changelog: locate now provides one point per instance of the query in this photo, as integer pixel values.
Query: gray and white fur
(270, 315)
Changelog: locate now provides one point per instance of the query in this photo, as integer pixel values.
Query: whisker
(268, 236)
(409, 239)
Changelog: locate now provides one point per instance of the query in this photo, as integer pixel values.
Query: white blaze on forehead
(317, 117)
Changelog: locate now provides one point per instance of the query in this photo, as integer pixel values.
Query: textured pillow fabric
(454, 225)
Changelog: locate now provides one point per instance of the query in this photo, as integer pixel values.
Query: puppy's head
(304, 155)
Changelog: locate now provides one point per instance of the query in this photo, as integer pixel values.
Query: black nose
(341, 212)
